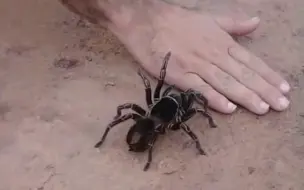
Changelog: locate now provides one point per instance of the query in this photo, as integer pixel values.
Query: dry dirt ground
(51, 114)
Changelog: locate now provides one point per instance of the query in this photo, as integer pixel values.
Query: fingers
(238, 28)
(256, 64)
(231, 88)
(251, 61)
(253, 81)
(215, 99)
(179, 68)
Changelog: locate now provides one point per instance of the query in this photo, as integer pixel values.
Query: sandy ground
(51, 116)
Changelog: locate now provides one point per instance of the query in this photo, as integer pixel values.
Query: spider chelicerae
(167, 111)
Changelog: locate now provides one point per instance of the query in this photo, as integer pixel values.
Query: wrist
(135, 12)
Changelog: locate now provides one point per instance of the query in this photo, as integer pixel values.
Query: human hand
(206, 58)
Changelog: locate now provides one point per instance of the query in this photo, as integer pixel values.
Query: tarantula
(168, 111)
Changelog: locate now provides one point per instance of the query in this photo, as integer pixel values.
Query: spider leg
(187, 100)
(147, 88)
(116, 122)
(134, 107)
(161, 77)
(187, 129)
(151, 144)
(198, 97)
(191, 112)
(168, 90)
(202, 100)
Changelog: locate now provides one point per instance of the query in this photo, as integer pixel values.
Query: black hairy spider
(168, 111)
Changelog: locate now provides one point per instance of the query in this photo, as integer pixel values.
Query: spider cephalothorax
(167, 111)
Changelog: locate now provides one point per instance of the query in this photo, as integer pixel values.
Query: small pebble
(168, 166)
(88, 58)
(251, 170)
(110, 84)
(65, 63)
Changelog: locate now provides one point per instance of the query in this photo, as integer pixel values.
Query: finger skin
(231, 88)
(238, 28)
(183, 79)
(251, 80)
(251, 61)
(215, 100)
(217, 86)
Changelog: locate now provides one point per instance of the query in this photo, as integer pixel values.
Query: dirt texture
(61, 79)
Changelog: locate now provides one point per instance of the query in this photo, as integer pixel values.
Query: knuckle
(211, 95)
(269, 91)
(248, 96)
(210, 71)
(215, 53)
(248, 75)
(205, 91)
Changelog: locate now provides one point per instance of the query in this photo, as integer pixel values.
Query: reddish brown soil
(51, 114)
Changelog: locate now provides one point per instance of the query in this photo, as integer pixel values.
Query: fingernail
(264, 107)
(284, 103)
(285, 87)
(231, 106)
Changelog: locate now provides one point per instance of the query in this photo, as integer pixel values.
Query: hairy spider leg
(168, 90)
(186, 101)
(161, 77)
(198, 97)
(123, 118)
(187, 129)
(138, 109)
(151, 144)
(147, 88)
(191, 112)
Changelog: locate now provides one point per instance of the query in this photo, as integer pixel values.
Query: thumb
(238, 28)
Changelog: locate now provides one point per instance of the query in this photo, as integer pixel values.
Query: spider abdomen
(165, 109)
